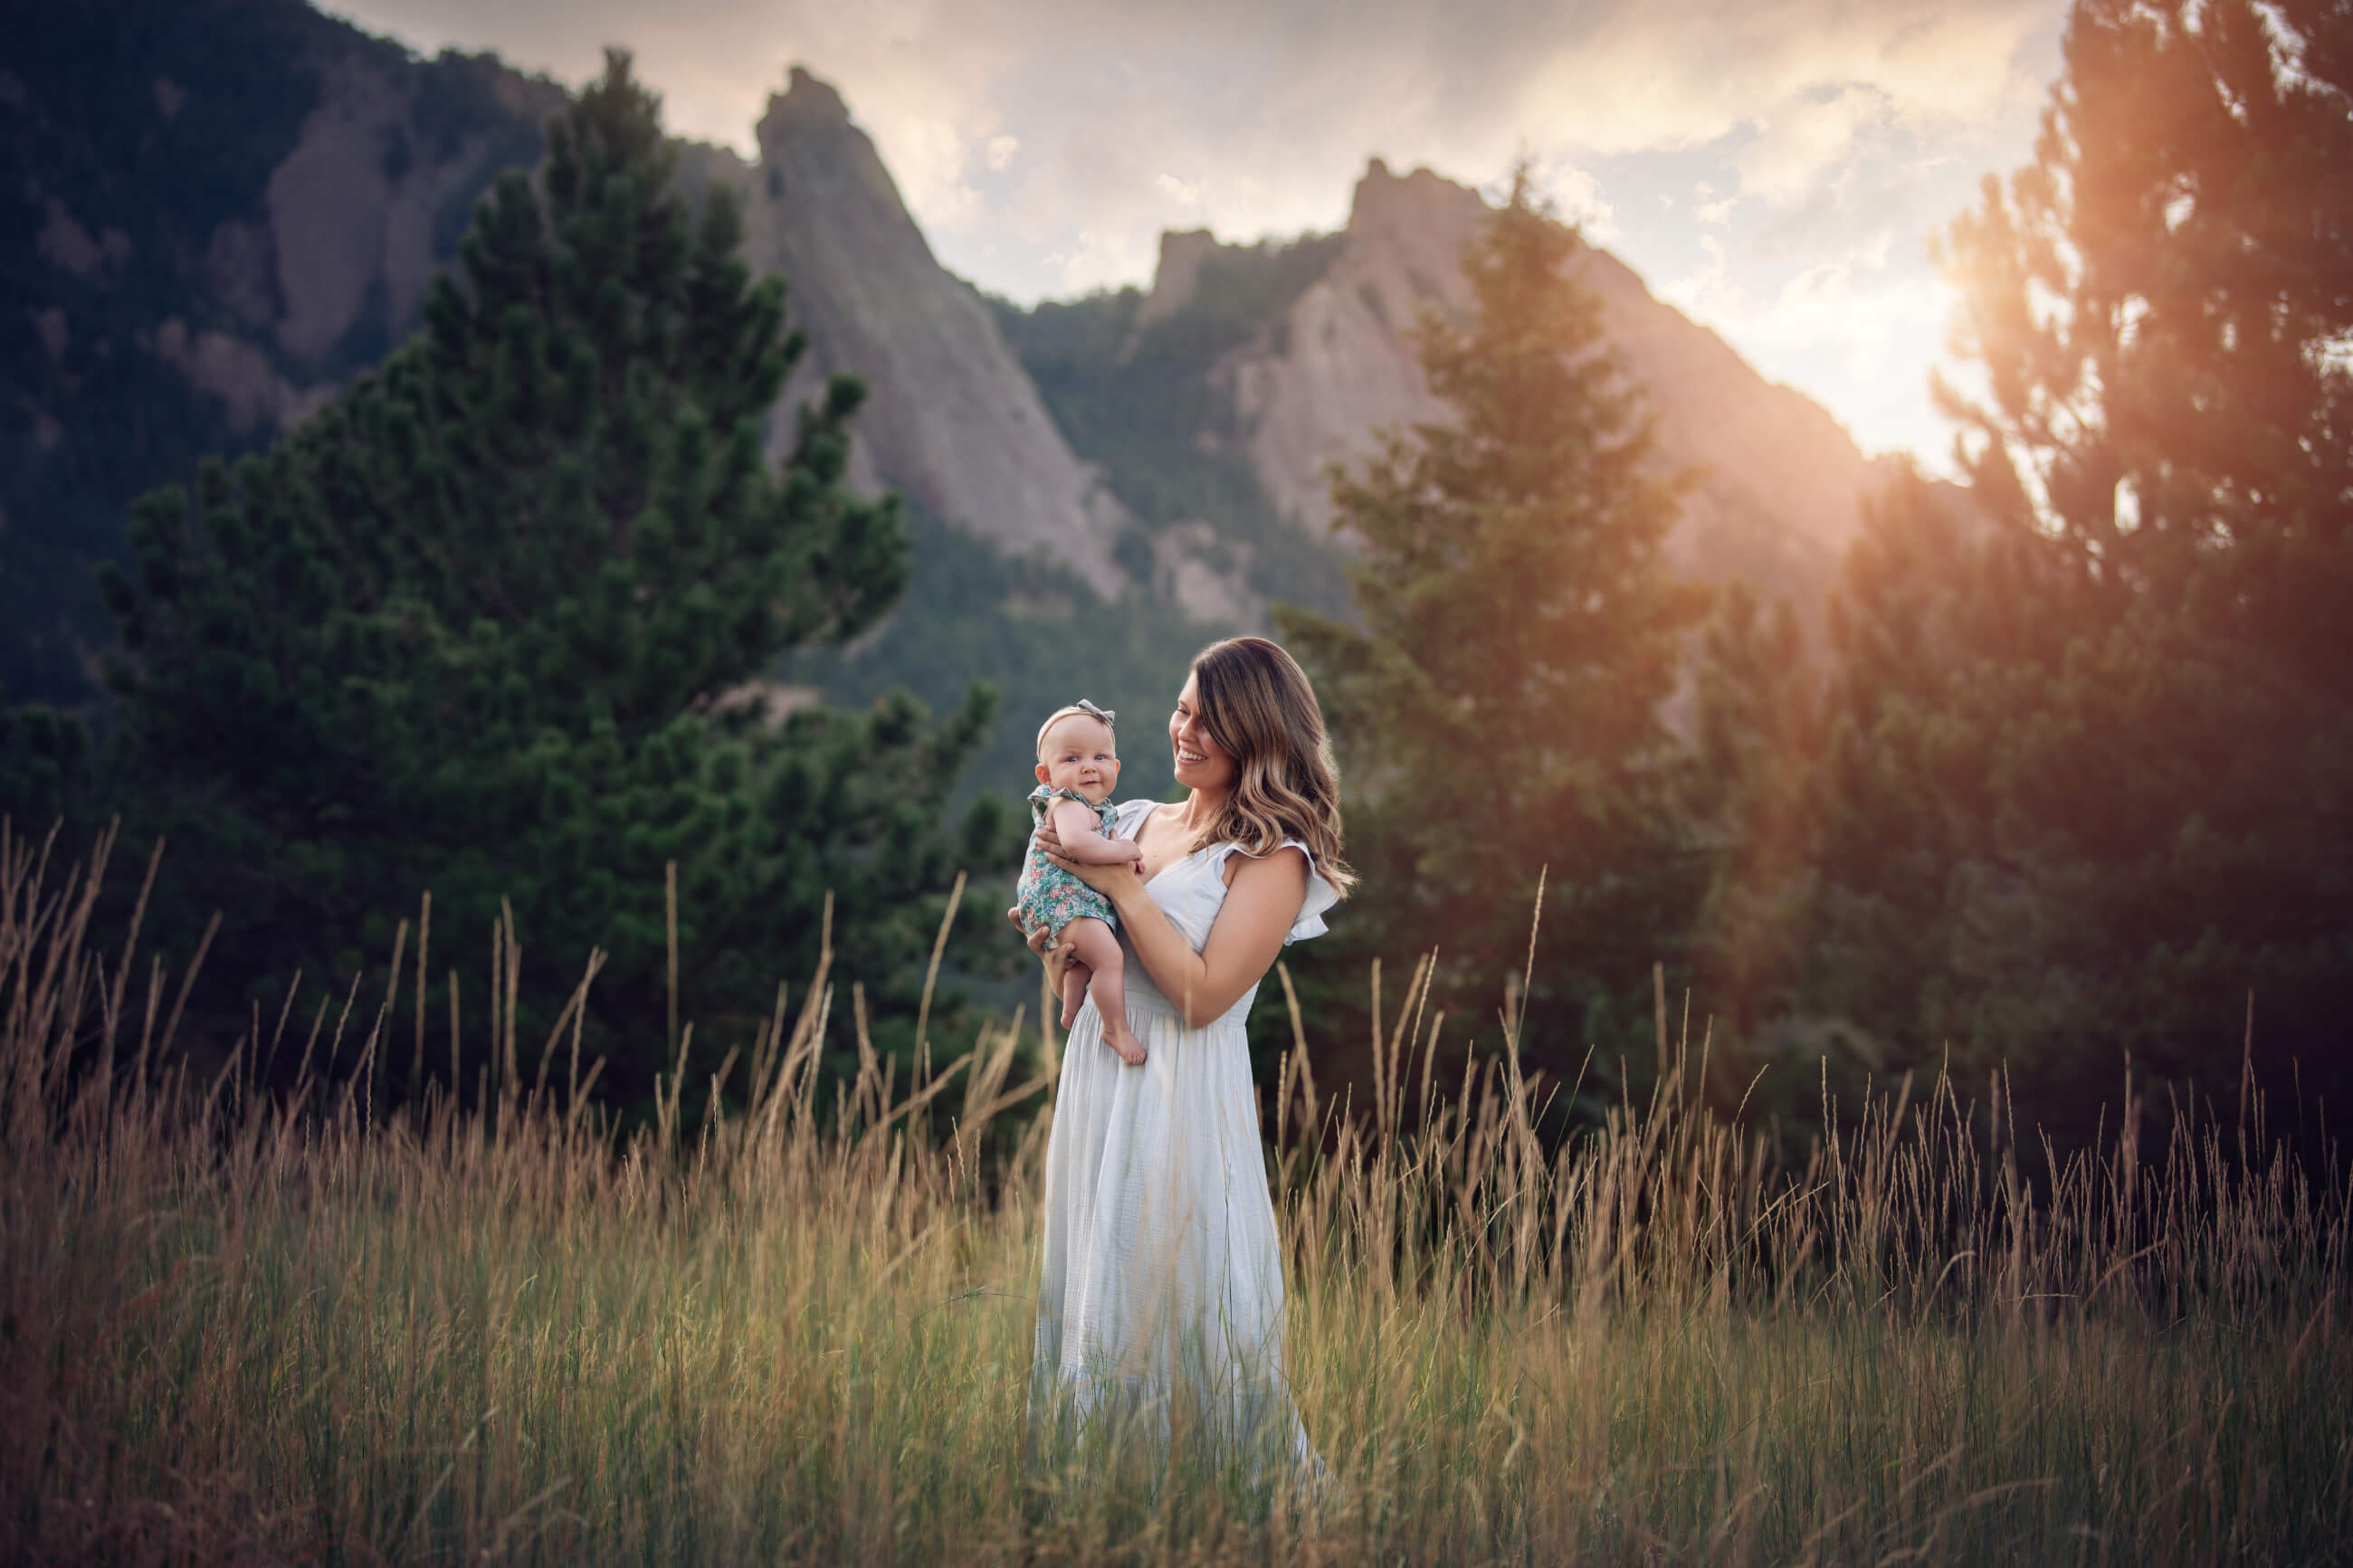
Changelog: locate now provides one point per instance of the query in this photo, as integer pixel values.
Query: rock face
(1340, 367)
(346, 217)
(951, 419)
(1176, 280)
(354, 224)
(1782, 483)
(208, 233)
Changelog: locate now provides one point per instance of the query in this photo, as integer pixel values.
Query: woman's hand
(1051, 842)
(1109, 880)
(1036, 939)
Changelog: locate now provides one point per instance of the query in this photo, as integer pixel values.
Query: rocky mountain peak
(1386, 204)
(808, 99)
(1177, 278)
(951, 419)
(1781, 482)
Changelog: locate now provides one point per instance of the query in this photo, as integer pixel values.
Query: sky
(1776, 168)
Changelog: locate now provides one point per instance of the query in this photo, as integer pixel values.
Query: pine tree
(2089, 789)
(1498, 714)
(495, 622)
(1758, 734)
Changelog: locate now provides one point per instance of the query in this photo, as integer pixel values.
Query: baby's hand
(1129, 849)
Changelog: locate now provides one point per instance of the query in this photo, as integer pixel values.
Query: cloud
(1709, 292)
(932, 159)
(1576, 193)
(1300, 92)
(1850, 333)
(1044, 144)
(1794, 144)
(1627, 77)
(1096, 261)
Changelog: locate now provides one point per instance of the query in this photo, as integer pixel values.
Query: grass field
(320, 1329)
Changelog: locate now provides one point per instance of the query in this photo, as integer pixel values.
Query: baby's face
(1079, 754)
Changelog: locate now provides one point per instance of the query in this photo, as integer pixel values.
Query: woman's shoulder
(1318, 896)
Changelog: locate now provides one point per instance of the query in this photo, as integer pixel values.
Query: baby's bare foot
(1130, 1048)
(1070, 1005)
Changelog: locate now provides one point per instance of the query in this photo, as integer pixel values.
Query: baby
(1078, 765)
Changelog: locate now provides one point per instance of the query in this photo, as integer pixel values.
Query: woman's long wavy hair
(1257, 707)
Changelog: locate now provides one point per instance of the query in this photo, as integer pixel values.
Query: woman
(1162, 1274)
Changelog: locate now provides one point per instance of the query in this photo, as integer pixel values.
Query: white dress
(1162, 1270)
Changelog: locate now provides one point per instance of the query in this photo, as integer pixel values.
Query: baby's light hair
(1075, 712)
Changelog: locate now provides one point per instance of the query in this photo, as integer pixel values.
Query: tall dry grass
(315, 1327)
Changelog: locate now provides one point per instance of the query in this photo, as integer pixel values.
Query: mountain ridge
(1779, 484)
(193, 276)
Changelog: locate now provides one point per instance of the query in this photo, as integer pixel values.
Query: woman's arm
(1262, 899)
(1075, 835)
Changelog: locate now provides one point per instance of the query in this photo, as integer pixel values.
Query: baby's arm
(1084, 841)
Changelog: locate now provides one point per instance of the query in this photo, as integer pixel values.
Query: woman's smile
(1200, 764)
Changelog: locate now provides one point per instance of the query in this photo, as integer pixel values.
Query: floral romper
(1048, 897)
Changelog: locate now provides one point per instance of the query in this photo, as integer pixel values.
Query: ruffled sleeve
(1321, 894)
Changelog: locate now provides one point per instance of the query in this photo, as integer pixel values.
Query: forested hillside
(215, 214)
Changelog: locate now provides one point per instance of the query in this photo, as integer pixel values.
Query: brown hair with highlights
(1257, 707)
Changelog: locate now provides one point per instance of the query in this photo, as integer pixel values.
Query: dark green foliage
(1757, 732)
(153, 127)
(88, 400)
(2084, 781)
(244, 98)
(493, 623)
(1498, 715)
